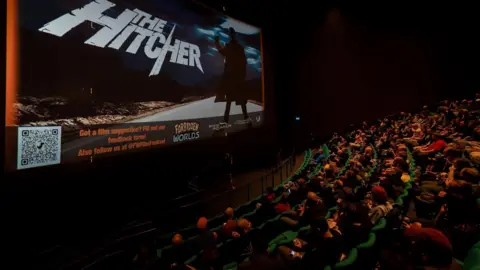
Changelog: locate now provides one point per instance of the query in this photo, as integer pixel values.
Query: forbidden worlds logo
(186, 131)
(116, 31)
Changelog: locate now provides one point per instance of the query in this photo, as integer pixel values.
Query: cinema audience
(360, 189)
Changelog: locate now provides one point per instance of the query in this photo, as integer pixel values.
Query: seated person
(315, 248)
(145, 258)
(311, 209)
(207, 242)
(283, 205)
(429, 248)
(230, 224)
(378, 204)
(243, 244)
(437, 145)
(259, 258)
(355, 225)
(315, 184)
(175, 257)
(417, 135)
(319, 156)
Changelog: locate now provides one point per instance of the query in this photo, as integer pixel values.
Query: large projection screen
(95, 78)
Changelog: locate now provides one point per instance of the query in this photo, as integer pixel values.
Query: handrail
(288, 162)
(305, 162)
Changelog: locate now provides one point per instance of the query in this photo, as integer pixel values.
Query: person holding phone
(315, 248)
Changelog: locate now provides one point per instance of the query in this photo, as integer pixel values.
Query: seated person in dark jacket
(207, 242)
(266, 207)
(243, 244)
(298, 193)
(230, 224)
(145, 259)
(176, 256)
(355, 225)
(313, 249)
(259, 260)
(311, 209)
(315, 184)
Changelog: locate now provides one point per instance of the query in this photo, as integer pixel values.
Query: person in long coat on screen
(233, 80)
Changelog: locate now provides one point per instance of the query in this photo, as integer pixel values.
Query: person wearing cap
(429, 248)
(379, 204)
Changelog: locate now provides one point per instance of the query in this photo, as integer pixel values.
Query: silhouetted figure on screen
(232, 83)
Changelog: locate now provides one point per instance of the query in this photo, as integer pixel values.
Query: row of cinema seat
(281, 235)
(269, 228)
(364, 255)
(352, 256)
(247, 210)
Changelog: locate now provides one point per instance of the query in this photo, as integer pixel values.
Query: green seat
(381, 224)
(472, 261)
(369, 243)
(230, 266)
(349, 261)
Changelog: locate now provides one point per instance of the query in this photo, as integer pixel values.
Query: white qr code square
(38, 146)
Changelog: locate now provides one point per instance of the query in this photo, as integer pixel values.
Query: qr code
(38, 146)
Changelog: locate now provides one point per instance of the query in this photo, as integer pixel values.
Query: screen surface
(96, 78)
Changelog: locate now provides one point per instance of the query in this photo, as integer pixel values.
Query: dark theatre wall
(363, 62)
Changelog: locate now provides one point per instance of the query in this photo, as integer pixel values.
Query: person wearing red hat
(380, 205)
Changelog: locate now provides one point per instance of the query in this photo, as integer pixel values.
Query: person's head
(356, 214)
(379, 195)
(229, 213)
(470, 175)
(459, 189)
(433, 252)
(462, 163)
(244, 225)
(311, 196)
(232, 33)
(202, 223)
(320, 225)
(338, 184)
(177, 240)
(301, 182)
(270, 190)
